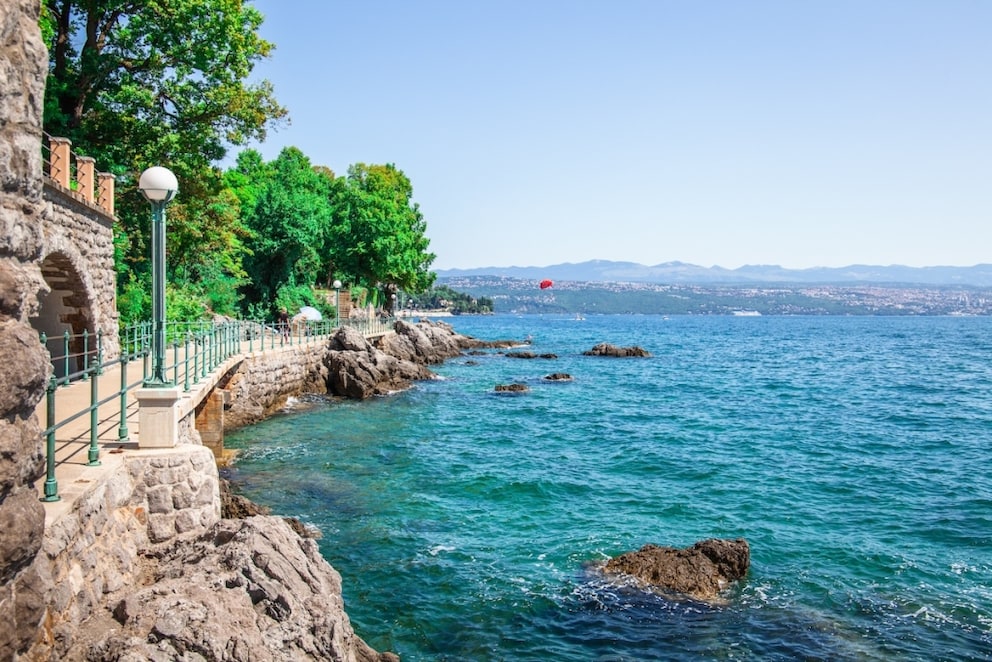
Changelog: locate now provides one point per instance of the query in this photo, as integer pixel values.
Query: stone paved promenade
(73, 440)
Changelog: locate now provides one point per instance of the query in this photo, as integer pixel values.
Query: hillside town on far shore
(523, 296)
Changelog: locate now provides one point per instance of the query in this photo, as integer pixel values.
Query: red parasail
(545, 284)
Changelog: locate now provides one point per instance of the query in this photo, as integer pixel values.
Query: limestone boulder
(418, 343)
(512, 388)
(356, 369)
(247, 589)
(606, 349)
(701, 571)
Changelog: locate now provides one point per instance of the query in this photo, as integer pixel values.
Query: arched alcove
(67, 307)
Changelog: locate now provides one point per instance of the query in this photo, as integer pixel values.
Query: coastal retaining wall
(263, 382)
(149, 500)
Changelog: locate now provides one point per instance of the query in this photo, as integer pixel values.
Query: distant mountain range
(682, 273)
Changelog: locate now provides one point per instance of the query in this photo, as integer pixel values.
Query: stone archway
(66, 308)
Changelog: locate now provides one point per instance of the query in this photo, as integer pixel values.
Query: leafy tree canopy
(136, 83)
(379, 234)
(286, 205)
(145, 82)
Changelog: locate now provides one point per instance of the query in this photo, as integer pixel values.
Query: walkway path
(73, 440)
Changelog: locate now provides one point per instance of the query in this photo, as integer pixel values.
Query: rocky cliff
(24, 369)
(244, 589)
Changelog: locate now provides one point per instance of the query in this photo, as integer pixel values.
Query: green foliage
(292, 298)
(134, 301)
(162, 82)
(379, 235)
(183, 304)
(289, 218)
(168, 82)
(145, 81)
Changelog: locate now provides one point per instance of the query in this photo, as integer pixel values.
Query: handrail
(193, 351)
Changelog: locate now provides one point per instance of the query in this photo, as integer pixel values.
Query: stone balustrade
(93, 188)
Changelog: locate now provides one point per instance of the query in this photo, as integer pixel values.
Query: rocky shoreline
(231, 582)
(254, 586)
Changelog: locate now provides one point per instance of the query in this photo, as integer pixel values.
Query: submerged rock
(530, 355)
(700, 571)
(512, 388)
(606, 349)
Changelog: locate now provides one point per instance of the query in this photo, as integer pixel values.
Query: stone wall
(150, 501)
(79, 247)
(264, 381)
(24, 369)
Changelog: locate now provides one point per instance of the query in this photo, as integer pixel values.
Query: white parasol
(311, 313)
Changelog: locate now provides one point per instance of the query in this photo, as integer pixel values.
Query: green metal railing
(194, 350)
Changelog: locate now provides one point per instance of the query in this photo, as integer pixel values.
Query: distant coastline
(681, 273)
(567, 297)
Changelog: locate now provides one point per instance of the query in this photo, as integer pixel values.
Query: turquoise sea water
(852, 453)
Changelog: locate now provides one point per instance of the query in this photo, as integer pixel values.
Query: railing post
(105, 197)
(204, 351)
(60, 165)
(65, 355)
(99, 351)
(196, 356)
(175, 360)
(51, 485)
(122, 433)
(94, 452)
(186, 361)
(86, 355)
(85, 169)
(145, 350)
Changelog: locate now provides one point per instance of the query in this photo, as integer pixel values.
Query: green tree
(135, 83)
(146, 80)
(288, 210)
(378, 236)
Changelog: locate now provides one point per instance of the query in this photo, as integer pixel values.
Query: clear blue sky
(715, 132)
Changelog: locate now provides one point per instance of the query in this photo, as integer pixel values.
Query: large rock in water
(358, 370)
(429, 343)
(700, 571)
(426, 342)
(247, 589)
(606, 349)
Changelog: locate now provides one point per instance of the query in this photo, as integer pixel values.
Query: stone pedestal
(158, 416)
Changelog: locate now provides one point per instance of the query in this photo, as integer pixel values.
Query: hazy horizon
(716, 133)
